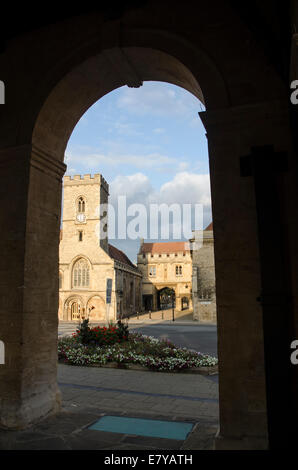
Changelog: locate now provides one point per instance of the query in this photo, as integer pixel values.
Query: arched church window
(81, 274)
(81, 205)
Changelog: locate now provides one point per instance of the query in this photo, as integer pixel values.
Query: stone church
(87, 261)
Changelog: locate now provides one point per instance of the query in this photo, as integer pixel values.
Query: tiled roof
(210, 226)
(165, 247)
(118, 255)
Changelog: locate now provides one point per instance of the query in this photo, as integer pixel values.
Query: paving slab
(91, 393)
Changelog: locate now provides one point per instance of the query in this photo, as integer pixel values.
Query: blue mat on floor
(143, 427)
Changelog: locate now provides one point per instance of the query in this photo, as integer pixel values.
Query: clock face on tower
(81, 218)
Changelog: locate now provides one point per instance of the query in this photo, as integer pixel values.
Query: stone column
(178, 306)
(30, 194)
(242, 376)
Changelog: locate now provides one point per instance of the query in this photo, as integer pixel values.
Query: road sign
(109, 291)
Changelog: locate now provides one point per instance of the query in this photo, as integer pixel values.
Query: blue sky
(149, 144)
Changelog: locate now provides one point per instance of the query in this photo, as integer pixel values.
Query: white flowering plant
(146, 351)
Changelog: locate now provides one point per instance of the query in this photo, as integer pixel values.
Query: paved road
(202, 338)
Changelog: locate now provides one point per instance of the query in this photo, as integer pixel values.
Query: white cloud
(187, 188)
(157, 99)
(93, 161)
(184, 188)
(137, 188)
(127, 129)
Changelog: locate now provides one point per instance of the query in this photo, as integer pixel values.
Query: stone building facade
(167, 269)
(203, 278)
(87, 260)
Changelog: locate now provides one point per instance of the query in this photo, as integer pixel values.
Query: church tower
(84, 222)
(87, 262)
(84, 261)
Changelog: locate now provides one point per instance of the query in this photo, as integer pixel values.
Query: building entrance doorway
(166, 298)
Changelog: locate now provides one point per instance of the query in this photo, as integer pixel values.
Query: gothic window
(81, 205)
(81, 275)
(80, 236)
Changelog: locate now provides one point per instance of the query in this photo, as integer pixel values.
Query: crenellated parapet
(86, 179)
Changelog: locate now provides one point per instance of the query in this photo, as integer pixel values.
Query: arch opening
(166, 298)
(113, 68)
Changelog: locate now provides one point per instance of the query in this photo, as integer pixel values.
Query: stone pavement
(162, 316)
(90, 392)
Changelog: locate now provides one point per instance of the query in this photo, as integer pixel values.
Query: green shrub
(122, 330)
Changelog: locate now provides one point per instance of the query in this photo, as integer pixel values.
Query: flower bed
(112, 345)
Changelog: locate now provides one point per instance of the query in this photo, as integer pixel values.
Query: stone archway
(96, 308)
(166, 298)
(74, 308)
(185, 303)
(246, 108)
